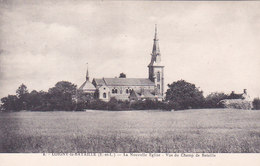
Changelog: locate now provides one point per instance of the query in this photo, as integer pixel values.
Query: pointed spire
(156, 50)
(87, 77)
(156, 55)
(155, 35)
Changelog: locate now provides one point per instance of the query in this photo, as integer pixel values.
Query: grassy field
(206, 130)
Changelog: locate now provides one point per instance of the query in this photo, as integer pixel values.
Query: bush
(97, 105)
(213, 100)
(256, 104)
(113, 105)
(80, 106)
(10, 103)
(118, 105)
(150, 105)
(237, 104)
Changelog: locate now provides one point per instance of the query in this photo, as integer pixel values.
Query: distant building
(131, 88)
(238, 101)
(243, 95)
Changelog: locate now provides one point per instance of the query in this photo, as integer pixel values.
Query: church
(130, 89)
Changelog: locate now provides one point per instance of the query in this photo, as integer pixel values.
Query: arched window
(158, 86)
(158, 76)
(114, 90)
(128, 90)
(104, 95)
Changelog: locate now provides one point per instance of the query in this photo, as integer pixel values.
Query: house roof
(124, 81)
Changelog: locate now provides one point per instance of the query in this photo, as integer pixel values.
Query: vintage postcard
(160, 82)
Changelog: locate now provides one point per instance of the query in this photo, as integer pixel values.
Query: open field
(206, 130)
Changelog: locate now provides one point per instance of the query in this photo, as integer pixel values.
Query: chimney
(245, 91)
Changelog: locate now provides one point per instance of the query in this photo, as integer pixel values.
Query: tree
(22, 94)
(184, 95)
(21, 91)
(37, 101)
(213, 99)
(84, 97)
(34, 99)
(10, 103)
(256, 103)
(62, 96)
(122, 75)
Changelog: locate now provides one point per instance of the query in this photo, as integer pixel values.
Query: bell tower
(156, 69)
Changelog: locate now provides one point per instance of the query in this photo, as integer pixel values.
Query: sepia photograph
(129, 77)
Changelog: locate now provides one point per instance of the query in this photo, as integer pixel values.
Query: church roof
(124, 82)
(99, 81)
(144, 93)
(87, 86)
(147, 93)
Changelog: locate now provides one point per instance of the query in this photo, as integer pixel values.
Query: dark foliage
(60, 97)
(65, 97)
(97, 105)
(23, 97)
(79, 106)
(22, 91)
(256, 104)
(10, 103)
(118, 105)
(213, 100)
(150, 105)
(184, 95)
(122, 75)
(38, 101)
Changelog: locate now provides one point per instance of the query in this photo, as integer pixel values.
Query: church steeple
(156, 69)
(156, 55)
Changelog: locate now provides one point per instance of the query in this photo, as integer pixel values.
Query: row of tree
(59, 97)
(63, 96)
(185, 95)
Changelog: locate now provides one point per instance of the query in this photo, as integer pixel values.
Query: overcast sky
(215, 45)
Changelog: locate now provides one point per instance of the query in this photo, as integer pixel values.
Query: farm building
(238, 101)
